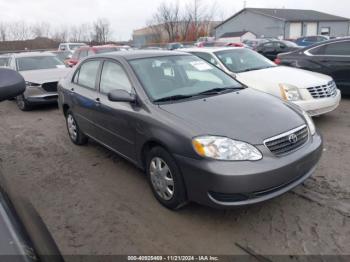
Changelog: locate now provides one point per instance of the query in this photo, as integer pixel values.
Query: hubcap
(162, 179)
(72, 127)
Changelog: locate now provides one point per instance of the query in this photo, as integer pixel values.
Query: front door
(116, 120)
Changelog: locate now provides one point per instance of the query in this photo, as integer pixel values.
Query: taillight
(278, 61)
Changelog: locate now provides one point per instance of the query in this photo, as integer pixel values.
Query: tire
(74, 131)
(22, 103)
(167, 187)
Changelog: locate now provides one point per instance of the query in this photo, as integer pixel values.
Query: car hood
(247, 115)
(272, 77)
(45, 75)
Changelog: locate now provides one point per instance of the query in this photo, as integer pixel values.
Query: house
(236, 37)
(284, 23)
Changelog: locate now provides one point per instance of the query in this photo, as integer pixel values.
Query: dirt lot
(94, 202)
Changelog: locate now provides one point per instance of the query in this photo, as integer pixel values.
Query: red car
(91, 50)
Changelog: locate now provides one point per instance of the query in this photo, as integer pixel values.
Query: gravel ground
(94, 202)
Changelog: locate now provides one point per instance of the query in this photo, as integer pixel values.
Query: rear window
(106, 50)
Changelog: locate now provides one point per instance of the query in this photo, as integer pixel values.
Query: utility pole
(244, 3)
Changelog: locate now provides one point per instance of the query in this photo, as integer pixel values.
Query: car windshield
(181, 77)
(75, 46)
(243, 60)
(38, 63)
(3, 61)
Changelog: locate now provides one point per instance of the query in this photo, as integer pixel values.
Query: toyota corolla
(198, 134)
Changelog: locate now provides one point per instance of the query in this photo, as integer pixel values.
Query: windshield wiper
(221, 90)
(173, 98)
(254, 69)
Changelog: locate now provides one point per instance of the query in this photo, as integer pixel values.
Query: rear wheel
(22, 103)
(74, 131)
(165, 179)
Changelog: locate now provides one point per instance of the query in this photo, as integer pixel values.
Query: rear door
(85, 95)
(334, 60)
(116, 121)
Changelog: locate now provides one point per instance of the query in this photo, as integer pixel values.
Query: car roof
(31, 54)
(139, 54)
(210, 49)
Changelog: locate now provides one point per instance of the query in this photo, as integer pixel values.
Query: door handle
(98, 101)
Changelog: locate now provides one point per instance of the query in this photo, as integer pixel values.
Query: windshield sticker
(201, 66)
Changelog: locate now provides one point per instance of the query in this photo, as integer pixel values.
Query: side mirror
(120, 95)
(12, 84)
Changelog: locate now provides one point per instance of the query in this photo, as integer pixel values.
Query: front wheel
(22, 103)
(165, 179)
(74, 131)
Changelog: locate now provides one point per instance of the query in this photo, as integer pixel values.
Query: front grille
(288, 142)
(50, 87)
(324, 91)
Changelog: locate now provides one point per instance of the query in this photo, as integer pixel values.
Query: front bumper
(316, 107)
(230, 184)
(36, 95)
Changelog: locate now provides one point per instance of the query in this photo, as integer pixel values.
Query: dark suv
(331, 58)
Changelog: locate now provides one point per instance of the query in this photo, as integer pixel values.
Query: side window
(83, 54)
(114, 77)
(340, 48)
(90, 52)
(207, 57)
(270, 44)
(88, 73)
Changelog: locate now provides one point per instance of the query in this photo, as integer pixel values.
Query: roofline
(245, 9)
(255, 10)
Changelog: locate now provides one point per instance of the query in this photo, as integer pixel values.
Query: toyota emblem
(293, 139)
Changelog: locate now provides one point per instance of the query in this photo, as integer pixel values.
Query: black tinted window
(341, 48)
(88, 73)
(114, 77)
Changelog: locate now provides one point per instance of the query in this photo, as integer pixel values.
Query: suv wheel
(22, 103)
(74, 132)
(165, 179)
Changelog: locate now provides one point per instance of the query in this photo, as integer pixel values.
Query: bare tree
(41, 29)
(3, 31)
(101, 31)
(168, 16)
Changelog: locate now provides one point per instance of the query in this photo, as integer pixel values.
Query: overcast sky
(126, 15)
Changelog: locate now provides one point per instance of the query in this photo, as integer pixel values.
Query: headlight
(310, 123)
(289, 92)
(30, 84)
(222, 148)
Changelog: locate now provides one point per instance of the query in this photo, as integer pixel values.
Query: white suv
(316, 93)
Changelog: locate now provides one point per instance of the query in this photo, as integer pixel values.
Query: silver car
(41, 71)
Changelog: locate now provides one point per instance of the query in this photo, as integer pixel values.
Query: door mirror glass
(12, 84)
(120, 95)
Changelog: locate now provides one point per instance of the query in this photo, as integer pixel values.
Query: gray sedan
(199, 134)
